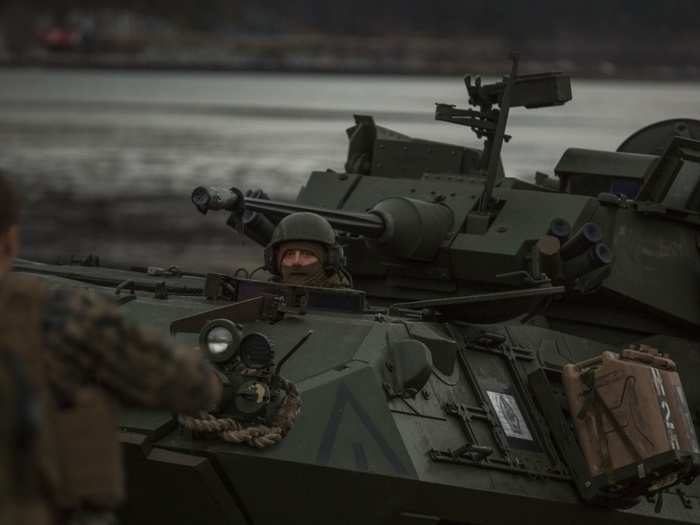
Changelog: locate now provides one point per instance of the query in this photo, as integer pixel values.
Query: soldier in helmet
(303, 251)
(66, 359)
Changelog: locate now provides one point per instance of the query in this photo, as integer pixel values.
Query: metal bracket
(685, 500)
(295, 302)
(89, 260)
(160, 291)
(130, 283)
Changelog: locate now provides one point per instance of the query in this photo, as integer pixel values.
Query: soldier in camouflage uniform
(66, 359)
(303, 251)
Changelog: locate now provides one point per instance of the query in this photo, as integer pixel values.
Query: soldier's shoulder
(23, 283)
(76, 311)
(22, 292)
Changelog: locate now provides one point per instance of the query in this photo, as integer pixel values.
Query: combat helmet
(309, 227)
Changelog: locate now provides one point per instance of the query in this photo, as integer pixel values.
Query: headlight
(256, 351)
(220, 339)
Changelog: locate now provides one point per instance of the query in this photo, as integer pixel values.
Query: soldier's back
(21, 498)
(79, 358)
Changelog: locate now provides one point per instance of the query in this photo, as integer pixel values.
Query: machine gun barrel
(205, 198)
(366, 224)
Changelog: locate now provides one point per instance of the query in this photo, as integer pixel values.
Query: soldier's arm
(89, 340)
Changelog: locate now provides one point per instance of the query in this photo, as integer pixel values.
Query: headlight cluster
(221, 339)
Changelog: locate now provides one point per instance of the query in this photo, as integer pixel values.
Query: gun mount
(531, 91)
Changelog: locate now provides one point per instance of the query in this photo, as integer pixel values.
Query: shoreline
(110, 64)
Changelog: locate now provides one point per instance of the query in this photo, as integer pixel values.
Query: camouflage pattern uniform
(81, 357)
(87, 340)
(16, 430)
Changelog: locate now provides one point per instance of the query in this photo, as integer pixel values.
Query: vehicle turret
(421, 220)
(434, 233)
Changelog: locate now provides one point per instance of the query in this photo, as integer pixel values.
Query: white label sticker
(683, 404)
(665, 409)
(509, 415)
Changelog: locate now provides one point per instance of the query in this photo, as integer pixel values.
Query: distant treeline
(511, 19)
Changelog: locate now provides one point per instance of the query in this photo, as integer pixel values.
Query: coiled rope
(255, 435)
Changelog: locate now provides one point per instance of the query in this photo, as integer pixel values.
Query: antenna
(278, 370)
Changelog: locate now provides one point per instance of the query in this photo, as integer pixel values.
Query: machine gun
(529, 91)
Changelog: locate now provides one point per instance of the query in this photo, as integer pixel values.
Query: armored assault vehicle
(509, 352)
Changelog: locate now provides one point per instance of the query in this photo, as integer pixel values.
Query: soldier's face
(8, 249)
(292, 258)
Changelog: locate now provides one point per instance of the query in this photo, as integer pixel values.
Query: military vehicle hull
(362, 451)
